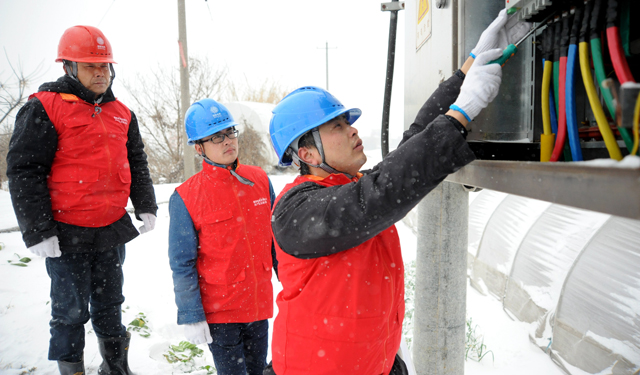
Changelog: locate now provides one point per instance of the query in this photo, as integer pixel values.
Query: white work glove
(149, 221)
(49, 248)
(480, 86)
(198, 333)
(504, 30)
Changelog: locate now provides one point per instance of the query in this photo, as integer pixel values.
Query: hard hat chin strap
(231, 168)
(113, 73)
(324, 166)
(71, 68)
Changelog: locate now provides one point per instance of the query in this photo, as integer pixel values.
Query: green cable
(624, 26)
(556, 83)
(596, 52)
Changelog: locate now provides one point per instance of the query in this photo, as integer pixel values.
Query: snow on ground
(25, 311)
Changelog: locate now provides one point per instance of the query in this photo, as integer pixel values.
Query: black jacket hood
(68, 85)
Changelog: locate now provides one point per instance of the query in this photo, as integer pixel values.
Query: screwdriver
(513, 48)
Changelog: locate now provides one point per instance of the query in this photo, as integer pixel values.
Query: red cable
(617, 55)
(562, 114)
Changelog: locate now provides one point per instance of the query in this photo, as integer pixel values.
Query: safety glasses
(219, 137)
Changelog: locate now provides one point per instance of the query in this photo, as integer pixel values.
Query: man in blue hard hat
(220, 246)
(341, 268)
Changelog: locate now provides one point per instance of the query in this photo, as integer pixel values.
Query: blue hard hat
(206, 117)
(300, 111)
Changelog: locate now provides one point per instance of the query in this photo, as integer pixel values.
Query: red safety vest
(233, 222)
(342, 313)
(90, 177)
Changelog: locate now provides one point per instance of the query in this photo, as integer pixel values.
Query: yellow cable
(547, 138)
(636, 132)
(596, 107)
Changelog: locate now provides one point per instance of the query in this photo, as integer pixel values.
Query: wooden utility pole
(185, 97)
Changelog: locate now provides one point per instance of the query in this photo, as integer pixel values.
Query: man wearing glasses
(220, 246)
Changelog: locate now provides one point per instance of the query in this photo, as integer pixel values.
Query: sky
(281, 41)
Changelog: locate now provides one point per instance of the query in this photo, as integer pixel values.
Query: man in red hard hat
(76, 156)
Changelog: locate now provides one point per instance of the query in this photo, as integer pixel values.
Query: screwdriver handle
(506, 55)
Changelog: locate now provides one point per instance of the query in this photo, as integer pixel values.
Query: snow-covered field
(25, 311)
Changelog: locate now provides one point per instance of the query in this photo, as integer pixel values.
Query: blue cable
(552, 112)
(572, 118)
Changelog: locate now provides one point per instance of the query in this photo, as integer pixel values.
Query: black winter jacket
(311, 221)
(32, 149)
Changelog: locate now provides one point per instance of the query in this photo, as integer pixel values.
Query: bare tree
(156, 102)
(267, 92)
(252, 148)
(13, 95)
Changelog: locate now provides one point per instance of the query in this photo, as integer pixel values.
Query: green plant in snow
(185, 354)
(409, 300)
(475, 348)
(139, 324)
(21, 262)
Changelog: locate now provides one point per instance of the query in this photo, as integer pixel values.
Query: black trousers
(84, 286)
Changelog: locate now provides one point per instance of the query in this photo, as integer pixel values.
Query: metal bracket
(629, 92)
(441, 4)
(392, 6)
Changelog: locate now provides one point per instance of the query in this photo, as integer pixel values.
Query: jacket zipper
(246, 237)
(97, 111)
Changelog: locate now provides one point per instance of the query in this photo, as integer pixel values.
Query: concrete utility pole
(185, 97)
(441, 281)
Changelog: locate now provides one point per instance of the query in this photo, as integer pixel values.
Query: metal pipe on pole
(393, 8)
(185, 96)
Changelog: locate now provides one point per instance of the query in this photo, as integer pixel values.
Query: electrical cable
(601, 119)
(547, 138)
(572, 117)
(636, 131)
(552, 102)
(552, 113)
(596, 27)
(562, 120)
(557, 31)
(615, 45)
(625, 26)
(596, 54)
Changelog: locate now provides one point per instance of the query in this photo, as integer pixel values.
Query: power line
(210, 15)
(105, 13)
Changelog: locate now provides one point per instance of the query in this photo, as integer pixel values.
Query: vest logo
(121, 120)
(259, 202)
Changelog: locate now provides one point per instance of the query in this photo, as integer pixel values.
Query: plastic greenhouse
(575, 274)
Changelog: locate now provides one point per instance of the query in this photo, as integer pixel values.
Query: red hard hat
(84, 44)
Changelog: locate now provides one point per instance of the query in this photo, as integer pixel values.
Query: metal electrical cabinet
(506, 129)
(506, 135)
(510, 127)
